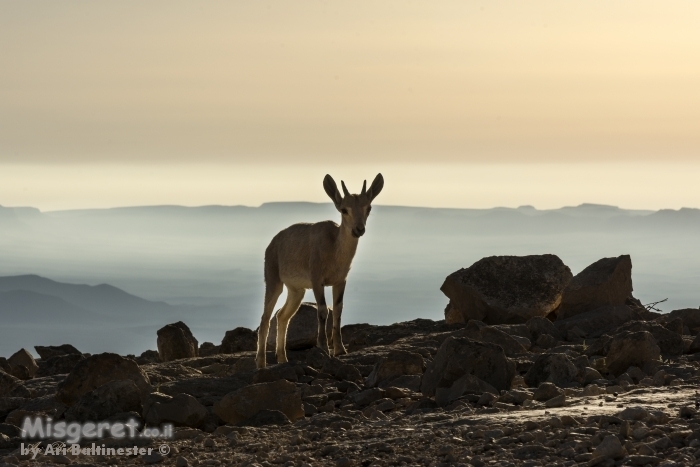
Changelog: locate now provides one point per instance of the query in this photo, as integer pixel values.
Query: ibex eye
(344, 211)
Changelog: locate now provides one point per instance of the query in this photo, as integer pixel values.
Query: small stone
(181, 462)
(558, 401)
(153, 458)
(609, 448)
(208, 443)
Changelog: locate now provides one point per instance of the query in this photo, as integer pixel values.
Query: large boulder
(239, 340)
(467, 384)
(176, 341)
(689, 316)
(302, 331)
(478, 331)
(397, 363)
(539, 326)
(50, 351)
(58, 365)
(24, 358)
(98, 370)
(181, 410)
(506, 289)
(669, 342)
(246, 402)
(107, 400)
(459, 356)
(608, 281)
(631, 349)
(556, 368)
(599, 321)
(11, 386)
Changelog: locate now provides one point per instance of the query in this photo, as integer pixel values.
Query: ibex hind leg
(273, 290)
(291, 306)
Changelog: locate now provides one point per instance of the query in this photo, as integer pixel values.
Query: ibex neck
(346, 242)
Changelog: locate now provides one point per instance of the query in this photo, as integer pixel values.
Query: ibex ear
(376, 187)
(332, 191)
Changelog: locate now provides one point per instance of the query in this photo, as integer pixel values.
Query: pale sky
(477, 103)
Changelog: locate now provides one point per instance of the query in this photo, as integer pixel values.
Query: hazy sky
(539, 102)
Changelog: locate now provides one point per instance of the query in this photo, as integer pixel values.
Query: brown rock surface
(459, 356)
(97, 370)
(175, 341)
(608, 281)
(631, 349)
(243, 404)
(24, 358)
(506, 289)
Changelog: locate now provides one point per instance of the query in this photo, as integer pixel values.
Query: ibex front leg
(337, 339)
(322, 339)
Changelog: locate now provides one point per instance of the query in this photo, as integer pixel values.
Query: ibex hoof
(340, 351)
(260, 362)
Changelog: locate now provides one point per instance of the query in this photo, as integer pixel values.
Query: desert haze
(149, 266)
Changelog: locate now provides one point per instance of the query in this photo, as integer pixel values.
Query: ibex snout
(358, 231)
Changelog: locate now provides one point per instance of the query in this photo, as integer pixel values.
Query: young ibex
(313, 256)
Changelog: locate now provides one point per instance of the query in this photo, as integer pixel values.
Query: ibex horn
(364, 187)
(345, 190)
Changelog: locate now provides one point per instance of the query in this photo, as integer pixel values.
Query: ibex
(313, 256)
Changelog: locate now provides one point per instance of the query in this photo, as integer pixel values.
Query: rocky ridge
(607, 384)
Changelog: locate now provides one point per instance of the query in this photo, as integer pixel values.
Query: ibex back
(313, 256)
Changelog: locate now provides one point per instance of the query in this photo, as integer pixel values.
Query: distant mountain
(99, 300)
(25, 307)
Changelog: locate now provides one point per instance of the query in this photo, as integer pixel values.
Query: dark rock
(506, 289)
(59, 364)
(246, 402)
(459, 356)
(695, 345)
(148, 356)
(689, 316)
(608, 281)
(21, 372)
(239, 340)
(98, 370)
(555, 368)
(279, 371)
(8, 404)
(4, 366)
(207, 349)
(267, 417)
(49, 351)
(11, 431)
(24, 358)
(547, 391)
(397, 363)
(467, 384)
(11, 386)
(302, 331)
(180, 410)
(600, 321)
(669, 342)
(631, 349)
(107, 400)
(539, 326)
(206, 387)
(478, 331)
(175, 341)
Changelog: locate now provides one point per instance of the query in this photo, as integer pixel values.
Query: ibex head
(354, 208)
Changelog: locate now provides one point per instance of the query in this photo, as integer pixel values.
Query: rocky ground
(610, 384)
